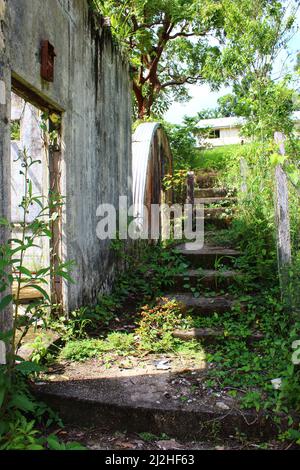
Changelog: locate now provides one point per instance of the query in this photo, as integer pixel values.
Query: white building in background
(220, 131)
(227, 131)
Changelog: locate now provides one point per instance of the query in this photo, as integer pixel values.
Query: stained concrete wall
(92, 89)
(5, 316)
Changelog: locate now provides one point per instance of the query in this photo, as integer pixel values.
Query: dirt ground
(102, 439)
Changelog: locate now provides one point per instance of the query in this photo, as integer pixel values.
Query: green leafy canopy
(168, 42)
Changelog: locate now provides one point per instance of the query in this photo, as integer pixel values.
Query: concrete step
(217, 222)
(212, 335)
(219, 217)
(204, 306)
(211, 192)
(141, 401)
(217, 200)
(208, 256)
(206, 179)
(205, 278)
(220, 212)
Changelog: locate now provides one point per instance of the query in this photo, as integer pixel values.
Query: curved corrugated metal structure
(151, 161)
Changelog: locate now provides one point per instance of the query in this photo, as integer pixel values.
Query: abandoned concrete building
(58, 59)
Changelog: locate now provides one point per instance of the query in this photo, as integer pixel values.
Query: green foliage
(183, 144)
(242, 367)
(253, 229)
(158, 323)
(22, 435)
(22, 418)
(53, 443)
(216, 158)
(148, 275)
(177, 182)
(40, 350)
(15, 130)
(268, 107)
(73, 326)
(149, 437)
(19, 411)
(13, 254)
(167, 41)
(118, 343)
(169, 47)
(257, 31)
(228, 106)
(153, 334)
(290, 389)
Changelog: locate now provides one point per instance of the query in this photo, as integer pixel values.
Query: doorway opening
(35, 133)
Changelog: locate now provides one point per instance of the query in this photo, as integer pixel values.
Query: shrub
(119, 343)
(158, 323)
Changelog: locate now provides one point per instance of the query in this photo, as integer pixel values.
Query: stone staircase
(146, 399)
(203, 264)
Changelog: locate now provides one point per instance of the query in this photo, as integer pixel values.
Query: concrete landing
(142, 398)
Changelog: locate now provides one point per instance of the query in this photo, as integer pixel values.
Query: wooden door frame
(55, 177)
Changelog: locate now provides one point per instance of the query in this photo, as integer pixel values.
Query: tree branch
(182, 81)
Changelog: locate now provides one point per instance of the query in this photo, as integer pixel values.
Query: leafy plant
(53, 443)
(16, 403)
(183, 144)
(118, 343)
(157, 36)
(13, 258)
(157, 324)
(22, 435)
(15, 130)
(176, 182)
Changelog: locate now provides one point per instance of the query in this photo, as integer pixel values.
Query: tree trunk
(143, 104)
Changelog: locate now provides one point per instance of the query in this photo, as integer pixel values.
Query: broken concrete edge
(215, 280)
(200, 423)
(214, 192)
(206, 306)
(50, 339)
(208, 273)
(216, 200)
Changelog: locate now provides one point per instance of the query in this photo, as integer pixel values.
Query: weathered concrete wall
(5, 316)
(92, 89)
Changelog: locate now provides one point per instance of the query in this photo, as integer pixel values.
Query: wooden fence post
(282, 220)
(190, 189)
(244, 174)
